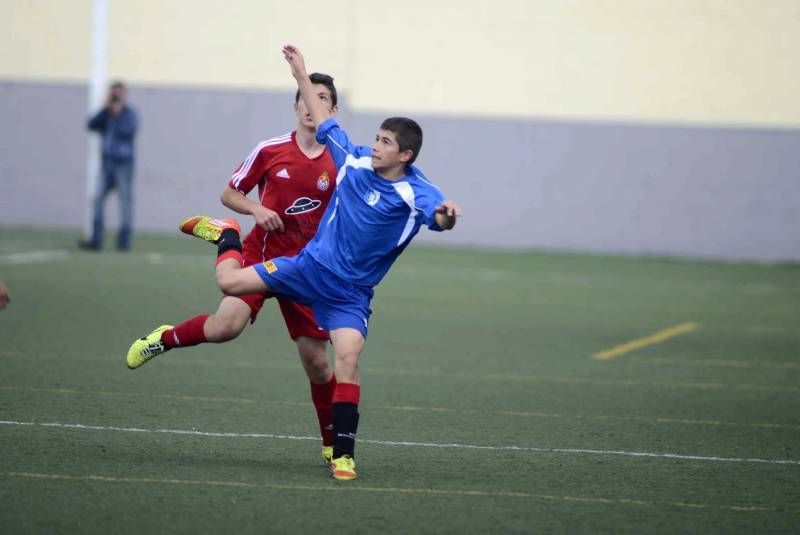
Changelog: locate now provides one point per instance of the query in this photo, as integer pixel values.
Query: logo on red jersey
(302, 205)
(323, 182)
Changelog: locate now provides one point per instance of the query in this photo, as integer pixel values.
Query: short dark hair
(323, 79)
(407, 132)
(117, 84)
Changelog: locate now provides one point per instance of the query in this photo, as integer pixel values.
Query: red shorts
(299, 318)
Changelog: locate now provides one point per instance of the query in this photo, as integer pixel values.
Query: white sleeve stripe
(248, 163)
(335, 143)
(239, 175)
(427, 181)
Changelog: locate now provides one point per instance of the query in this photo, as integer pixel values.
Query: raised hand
(294, 57)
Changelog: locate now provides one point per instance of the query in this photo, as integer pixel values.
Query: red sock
(188, 333)
(230, 254)
(322, 396)
(347, 393)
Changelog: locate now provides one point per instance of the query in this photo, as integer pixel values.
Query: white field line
(416, 408)
(574, 451)
(33, 257)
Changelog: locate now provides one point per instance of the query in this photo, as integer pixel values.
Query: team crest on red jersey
(323, 182)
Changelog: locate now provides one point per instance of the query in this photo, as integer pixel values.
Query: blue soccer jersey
(370, 219)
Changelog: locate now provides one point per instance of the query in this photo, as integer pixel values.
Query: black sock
(345, 424)
(228, 241)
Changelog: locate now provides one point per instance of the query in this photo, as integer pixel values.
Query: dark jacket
(118, 133)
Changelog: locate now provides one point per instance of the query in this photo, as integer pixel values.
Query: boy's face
(301, 110)
(386, 152)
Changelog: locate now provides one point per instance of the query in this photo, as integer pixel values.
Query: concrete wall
(636, 126)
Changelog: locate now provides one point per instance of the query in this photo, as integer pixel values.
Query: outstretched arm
(446, 214)
(315, 107)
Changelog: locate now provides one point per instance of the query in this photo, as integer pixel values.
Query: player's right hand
(268, 219)
(295, 59)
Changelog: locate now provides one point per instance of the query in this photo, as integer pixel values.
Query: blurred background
(643, 127)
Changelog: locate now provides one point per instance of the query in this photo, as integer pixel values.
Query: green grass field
(482, 407)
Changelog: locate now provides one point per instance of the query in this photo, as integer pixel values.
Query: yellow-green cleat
(208, 228)
(343, 468)
(327, 455)
(146, 348)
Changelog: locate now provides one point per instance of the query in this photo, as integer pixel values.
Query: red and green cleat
(146, 347)
(207, 228)
(343, 468)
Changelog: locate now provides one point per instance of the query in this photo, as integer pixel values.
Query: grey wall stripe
(613, 188)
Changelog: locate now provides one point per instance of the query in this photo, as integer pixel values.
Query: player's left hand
(267, 219)
(449, 208)
(446, 214)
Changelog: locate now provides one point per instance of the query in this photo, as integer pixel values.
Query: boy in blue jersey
(380, 203)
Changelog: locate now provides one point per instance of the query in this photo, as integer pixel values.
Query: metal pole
(97, 88)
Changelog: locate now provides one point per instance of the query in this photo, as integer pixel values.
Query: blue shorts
(336, 303)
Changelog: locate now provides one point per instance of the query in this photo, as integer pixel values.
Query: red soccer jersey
(295, 186)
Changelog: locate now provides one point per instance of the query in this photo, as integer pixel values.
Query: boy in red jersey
(295, 177)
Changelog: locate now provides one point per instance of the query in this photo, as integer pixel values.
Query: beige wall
(694, 61)
(45, 39)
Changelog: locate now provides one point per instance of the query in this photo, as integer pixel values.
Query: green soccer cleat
(207, 228)
(146, 348)
(343, 468)
(327, 455)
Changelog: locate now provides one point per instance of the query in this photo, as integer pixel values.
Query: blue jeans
(119, 175)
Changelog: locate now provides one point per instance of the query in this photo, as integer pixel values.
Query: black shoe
(88, 246)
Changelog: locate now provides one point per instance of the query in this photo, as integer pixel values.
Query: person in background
(117, 124)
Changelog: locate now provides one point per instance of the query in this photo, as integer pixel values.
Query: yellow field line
(719, 363)
(90, 477)
(355, 487)
(656, 338)
(710, 363)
